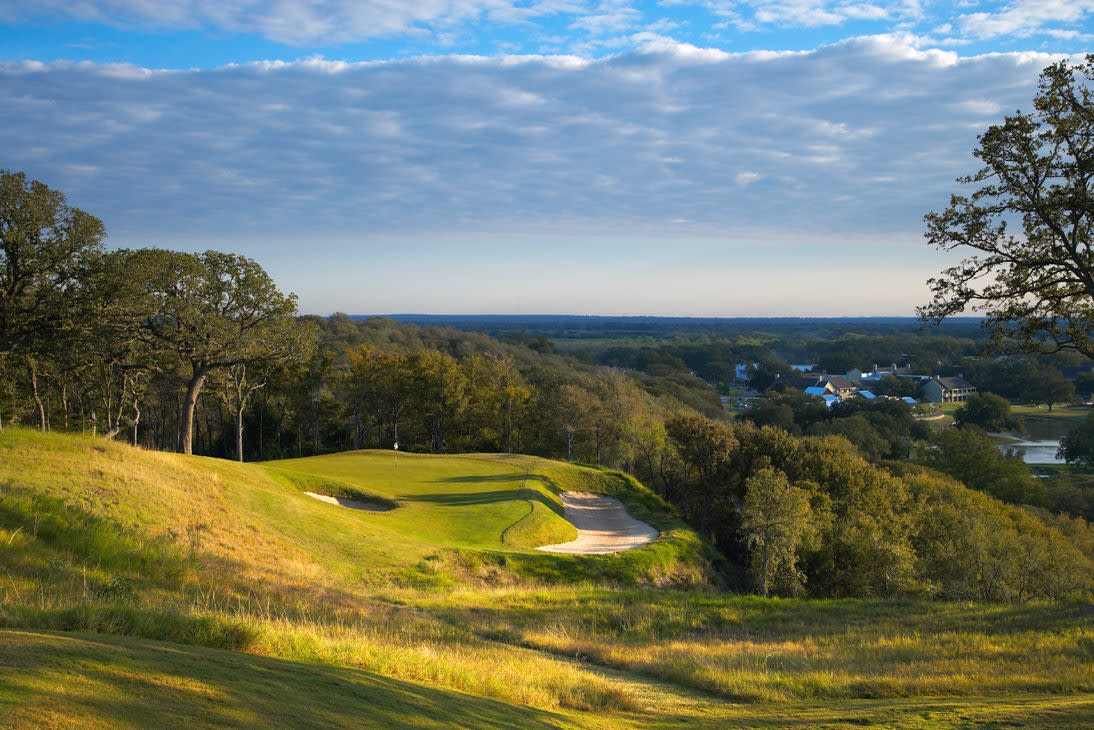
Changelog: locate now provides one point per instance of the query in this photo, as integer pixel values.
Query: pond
(1039, 443)
(1033, 452)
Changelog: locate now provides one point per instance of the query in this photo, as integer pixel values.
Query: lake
(1039, 443)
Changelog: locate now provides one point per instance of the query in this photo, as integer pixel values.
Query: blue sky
(701, 157)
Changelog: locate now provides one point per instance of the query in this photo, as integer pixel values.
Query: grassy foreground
(223, 588)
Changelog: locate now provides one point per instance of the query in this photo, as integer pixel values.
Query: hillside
(239, 594)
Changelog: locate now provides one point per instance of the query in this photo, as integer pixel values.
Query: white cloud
(751, 14)
(1026, 17)
(299, 23)
(517, 145)
(986, 19)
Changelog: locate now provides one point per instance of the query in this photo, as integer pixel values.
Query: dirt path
(603, 526)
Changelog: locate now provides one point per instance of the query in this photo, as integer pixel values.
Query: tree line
(100, 340)
(202, 353)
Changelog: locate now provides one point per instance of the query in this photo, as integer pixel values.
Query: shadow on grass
(517, 476)
(92, 573)
(465, 499)
(155, 684)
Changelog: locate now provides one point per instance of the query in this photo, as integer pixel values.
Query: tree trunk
(186, 425)
(239, 434)
(136, 419)
(37, 398)
(261, 424)
(763, 569)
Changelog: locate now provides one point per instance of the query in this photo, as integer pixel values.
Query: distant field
(146, 588)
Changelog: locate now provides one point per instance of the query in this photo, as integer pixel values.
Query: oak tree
(1027, 224)
(216, 310)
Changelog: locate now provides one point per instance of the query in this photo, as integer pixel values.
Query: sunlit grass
(100, 537)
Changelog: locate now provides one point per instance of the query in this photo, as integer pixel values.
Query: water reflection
(1033, 452)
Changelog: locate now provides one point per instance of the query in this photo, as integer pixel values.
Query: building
(742, 376)
(879, 372)
(839, 385)
(947, 390)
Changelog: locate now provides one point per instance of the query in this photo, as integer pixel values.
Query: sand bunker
(350, 503)
(603, 526)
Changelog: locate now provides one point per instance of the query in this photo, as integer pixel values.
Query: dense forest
(202, 353)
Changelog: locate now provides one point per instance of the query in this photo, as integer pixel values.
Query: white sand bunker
(350, 503)
(603, 526)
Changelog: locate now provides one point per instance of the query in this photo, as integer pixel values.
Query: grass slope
(91, 680)
(440, 610)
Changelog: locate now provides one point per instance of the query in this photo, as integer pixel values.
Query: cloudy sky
(697, 157)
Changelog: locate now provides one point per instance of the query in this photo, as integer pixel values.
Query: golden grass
(230, 556)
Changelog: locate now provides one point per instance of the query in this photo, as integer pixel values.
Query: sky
(666, 157)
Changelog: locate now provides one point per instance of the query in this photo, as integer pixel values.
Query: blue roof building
(867, 394)
(816, 390)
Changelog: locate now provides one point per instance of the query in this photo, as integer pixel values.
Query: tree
(441, 388)
(1035, 286)
(857, 429)
(969, 455)
(775, 522)
(1077, 447)
(706, 449)
(898, 387)
(775, 412)
(214, 311)
(42, 243)
(237, 386)
(1051, 387)
(987, 411)
(767, 371)
(573, 409)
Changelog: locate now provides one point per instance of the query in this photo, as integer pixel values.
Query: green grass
(451, 501)
(280, 609)
(756, 650)
(52, 679)
(91, 680)
(1066, 413)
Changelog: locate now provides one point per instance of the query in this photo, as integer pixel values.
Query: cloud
(1059, 19)
(297, 23)
(1027, 17)
(751, 14)
(755, 146)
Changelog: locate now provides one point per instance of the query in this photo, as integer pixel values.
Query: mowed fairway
(453, 501)
(143, 589)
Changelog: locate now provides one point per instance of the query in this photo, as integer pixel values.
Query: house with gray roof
(947, 390)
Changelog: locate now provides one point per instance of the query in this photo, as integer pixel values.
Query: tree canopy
(43, 243)
(214, 310)
(987, 411)
(1027, 223)
(1077, 447)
